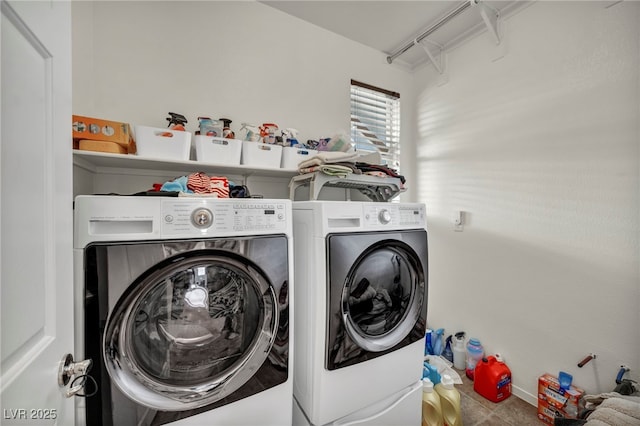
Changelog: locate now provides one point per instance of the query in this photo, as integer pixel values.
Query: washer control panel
(388, 215)
(199, 217)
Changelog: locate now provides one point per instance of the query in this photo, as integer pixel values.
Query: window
(375, 122)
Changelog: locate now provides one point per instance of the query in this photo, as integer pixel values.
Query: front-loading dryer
(183, 306)
(361, 271)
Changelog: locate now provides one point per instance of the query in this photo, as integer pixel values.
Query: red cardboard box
(547, 413)
(554, 401)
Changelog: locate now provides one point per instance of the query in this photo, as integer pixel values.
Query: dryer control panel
(387, 214)
(198, 218)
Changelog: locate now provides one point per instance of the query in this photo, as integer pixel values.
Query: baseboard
(524, 395)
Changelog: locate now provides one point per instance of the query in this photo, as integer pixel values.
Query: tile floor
(479, 411)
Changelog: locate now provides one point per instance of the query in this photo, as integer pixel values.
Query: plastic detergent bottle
(431, 408)
(475, 352)
(449, 401)
(459, 352)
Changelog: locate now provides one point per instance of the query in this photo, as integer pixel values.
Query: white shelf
(100, 162)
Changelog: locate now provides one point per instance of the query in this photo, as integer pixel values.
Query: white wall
(540, 149)
(136, 61)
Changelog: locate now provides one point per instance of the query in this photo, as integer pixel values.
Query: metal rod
(461, 7)
(586, 360)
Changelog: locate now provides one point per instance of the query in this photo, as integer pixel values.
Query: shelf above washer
(100, 161)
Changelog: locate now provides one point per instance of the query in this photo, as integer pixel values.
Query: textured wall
(540, 149)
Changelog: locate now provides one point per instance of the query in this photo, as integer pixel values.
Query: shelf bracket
(491, 17)
(438, 62)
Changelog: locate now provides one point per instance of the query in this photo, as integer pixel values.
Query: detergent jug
(450, 401)
(492, 379)
(431, 408)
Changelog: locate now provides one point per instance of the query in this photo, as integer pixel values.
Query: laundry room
(505, 209)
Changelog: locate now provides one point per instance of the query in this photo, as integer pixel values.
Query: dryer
(361, 271)
(183, 306)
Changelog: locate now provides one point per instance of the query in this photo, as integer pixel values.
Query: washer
(361, 274)
(183, 306)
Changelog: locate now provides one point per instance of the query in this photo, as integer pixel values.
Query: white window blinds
(375, 122)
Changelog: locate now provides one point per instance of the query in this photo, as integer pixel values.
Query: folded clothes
(327, 158)
(351, 166)
(366, 167)
(329, 169)
(378, 174)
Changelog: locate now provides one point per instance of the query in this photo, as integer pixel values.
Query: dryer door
(191, 330)
(377, 294)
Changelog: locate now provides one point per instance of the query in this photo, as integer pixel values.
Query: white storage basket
(261, 154)
(216, 150)
(166, 144)
(292, 156)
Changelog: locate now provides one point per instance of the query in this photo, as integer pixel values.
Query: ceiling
(390, 25)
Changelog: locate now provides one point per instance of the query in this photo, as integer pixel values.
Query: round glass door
(382, 296)
(191, 330)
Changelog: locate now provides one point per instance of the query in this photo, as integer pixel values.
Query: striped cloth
(200, 183)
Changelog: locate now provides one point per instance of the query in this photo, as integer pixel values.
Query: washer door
(191, 330)
(377, 294)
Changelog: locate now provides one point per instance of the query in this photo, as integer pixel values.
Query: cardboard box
(96, 129)
(547, 413)
(552, 400)
(101, 146)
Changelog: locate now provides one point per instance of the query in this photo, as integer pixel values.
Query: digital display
(269, 212)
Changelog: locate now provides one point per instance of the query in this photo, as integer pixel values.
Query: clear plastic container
(431, 408)
(475, 352)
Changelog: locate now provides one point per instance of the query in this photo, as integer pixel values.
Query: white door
(36, 215)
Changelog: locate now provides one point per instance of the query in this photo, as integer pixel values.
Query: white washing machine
(183, 306)
(361, 304)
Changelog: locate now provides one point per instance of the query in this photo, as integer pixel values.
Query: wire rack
(379, 189)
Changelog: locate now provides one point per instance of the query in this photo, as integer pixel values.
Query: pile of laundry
(200, 184)
(343, 164)
(607, 409)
